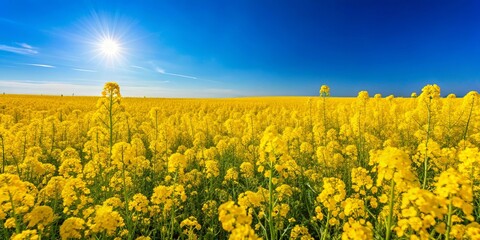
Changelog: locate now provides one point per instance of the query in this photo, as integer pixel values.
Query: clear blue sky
(212, 48)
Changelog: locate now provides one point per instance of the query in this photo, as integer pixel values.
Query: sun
(110, 47)
(109, 39)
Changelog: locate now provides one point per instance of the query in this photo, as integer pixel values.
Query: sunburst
(110, 48)
(109, 38)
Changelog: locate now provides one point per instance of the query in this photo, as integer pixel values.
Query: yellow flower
(231, 175)
(332, 195)
(106, 220)
(70, 167)
(120, 181)
(253, 199)
(177, 162)
(469, 165)
(190, 223)
(168, 196)
(281, 210)
(111, 89)
(113, 202)
(319, 214)
(75, 195)
(284, 191)
(53, 190)
(452, 183)
(244, 232)
(211, 168)
(360, 229)
(473, 230)
(233, 216)
(324, 91)
(247, 169)
(354, 207)
(306, 147)
(26, 235)
(15, 195)
(73, 227)
(300, 232)
(139, 203)
(10, 223)
(143, 238)
(430, 91)
(420, 211)
(209, 208)
(393, 164)
(40, 216)
(361, 179)
(363, 95)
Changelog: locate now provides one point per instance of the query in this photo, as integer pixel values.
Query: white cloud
(83, 70)
(25, 45)
(40, 65)
(162, 71)
(138, 67)
(180, 75)
(24, 49)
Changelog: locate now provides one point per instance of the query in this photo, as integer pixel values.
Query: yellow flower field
(371, 167)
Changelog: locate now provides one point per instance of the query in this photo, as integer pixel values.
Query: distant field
(240, 168)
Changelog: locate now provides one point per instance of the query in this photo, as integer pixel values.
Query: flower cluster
(369, 167)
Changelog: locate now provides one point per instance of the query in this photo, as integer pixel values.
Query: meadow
(370, 167)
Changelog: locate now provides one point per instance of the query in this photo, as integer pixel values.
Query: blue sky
(240, 47)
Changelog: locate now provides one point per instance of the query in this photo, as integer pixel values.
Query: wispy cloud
(83, 70)
(25, 45)
(138, 67)
(8, 20)
(159, 70)
(40, 65)
(22, 48)
(180, 75)
(162, 71)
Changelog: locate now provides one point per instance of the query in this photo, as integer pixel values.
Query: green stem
(110, 118)
(324, 122)
(172, 222)
(3, 154)
(53, 136)
(324, 234)
(468, 123)
(125, 192)
(390, 213)
(156, 124)
(449, 219)
(270, 203)
(17, 224)
(425, 161)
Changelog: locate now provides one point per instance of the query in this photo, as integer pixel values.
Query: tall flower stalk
(429, 99)
(109, 110)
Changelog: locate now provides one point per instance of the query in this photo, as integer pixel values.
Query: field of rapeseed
(370, 167)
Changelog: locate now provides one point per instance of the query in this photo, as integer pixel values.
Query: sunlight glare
(110, 47)
(109, 38)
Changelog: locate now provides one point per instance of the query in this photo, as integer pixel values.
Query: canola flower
(370, 167)
(39, 217)
(73, 228)
(107, 220)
